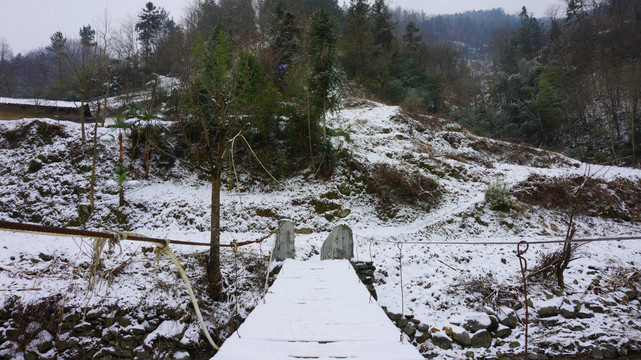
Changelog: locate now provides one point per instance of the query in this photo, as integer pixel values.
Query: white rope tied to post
(165, 249)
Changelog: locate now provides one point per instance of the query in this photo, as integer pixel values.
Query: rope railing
(532, 242)
(113, 235)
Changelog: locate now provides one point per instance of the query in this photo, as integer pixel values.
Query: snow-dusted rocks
(473, 322)
(441, 340)
(481, 338)
(284, 247)
(339, 244)
(461, 336)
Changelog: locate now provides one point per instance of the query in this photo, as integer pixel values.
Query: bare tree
(7, 68)
(82, 57)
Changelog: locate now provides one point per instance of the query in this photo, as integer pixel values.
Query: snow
(317, 309)
(174, 203)
(167, 329)
(40, 102)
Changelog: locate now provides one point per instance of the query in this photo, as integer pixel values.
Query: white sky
(28, 24)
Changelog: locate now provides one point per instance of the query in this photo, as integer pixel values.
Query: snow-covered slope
(440, 282)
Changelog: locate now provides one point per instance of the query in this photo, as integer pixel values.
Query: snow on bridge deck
(317, 310)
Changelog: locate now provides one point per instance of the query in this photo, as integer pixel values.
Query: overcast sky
(28, 24)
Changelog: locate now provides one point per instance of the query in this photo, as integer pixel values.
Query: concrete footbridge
(317, 310)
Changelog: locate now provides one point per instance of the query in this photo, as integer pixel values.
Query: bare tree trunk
(309, 128)
(82, 116)
(120, 146)
(214, 276)
(93, 166)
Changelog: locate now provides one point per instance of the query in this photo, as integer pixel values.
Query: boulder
(481, 338)
(567, 311)
(410, 329)
(476, 321)
(548, 311)
(339, 244)
(461, 336)
(507, 317)
(503, 332)
(284, 244)
(441, 340)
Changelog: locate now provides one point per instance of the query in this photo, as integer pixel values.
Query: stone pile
(365, 271)
(104, 333)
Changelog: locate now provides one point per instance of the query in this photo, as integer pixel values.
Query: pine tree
(325, 78)
(382, 26)
(358, 38)
(153, 24)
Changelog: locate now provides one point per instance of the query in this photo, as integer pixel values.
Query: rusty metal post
(400, 262)
(523, 262)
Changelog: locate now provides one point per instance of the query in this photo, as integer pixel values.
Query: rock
(339, 244)
(441, 340)
(595, 308)
(169, 330)
(557, 291)
(514, 344)
(494, 323)
(410, 329)
(503, 332)
(45, 257)
(481, 338)
(476, 321)
(181, 355)
(285, 237)
(45, 341)
(401, 323)
(567, 311)
(609, 351)
(423, 327)
(596, 353)
(585, 314)
(394, 316)
(507, 317)
(548, 311)
(305, 231)
(461, 336)
(423, 337)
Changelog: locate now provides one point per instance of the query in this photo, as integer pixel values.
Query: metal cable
(57, 231)
(533, 242)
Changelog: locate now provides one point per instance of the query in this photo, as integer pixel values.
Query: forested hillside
(570, 82)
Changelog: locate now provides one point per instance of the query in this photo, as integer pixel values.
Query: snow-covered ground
(437, 279)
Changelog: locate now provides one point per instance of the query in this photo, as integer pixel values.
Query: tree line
(571, 82)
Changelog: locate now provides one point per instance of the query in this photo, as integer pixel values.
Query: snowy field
(436, 278)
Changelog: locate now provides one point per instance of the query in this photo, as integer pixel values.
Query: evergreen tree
(382, 26)
(153, 24)
(358, 38)
(284, 41)
(412, 37)
(322, 55)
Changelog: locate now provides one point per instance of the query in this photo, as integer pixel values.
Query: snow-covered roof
(40, 102)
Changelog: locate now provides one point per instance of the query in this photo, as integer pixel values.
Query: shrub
(498, 198)
(399, 187)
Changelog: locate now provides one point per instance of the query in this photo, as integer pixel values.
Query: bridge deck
(317, 310)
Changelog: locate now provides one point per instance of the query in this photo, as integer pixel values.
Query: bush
(399, 187)
(498, 198)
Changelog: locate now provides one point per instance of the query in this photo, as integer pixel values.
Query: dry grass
(399, 187)
(488, 292)
(617, 199)
(547, 264)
